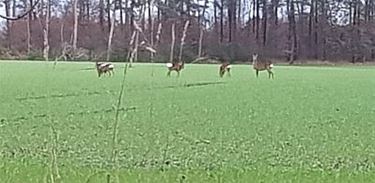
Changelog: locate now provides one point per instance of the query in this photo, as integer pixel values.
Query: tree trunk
(101, 13)
(201, 27)
(367, 10)
(254, 15)
(355, 12)
(201, 32)
(257, 19)
(29, 18)
(8, 26)
(111, 32)
(316, 26)
(372, 8)
(14, 6)
(136, 47)
(359, 13)
(172, 43)
(62, 32)
(265, 17)
(276, 13)
(239, 13)
(230, 21)
(46, 32)
(88, 10)
(183, 40)
(126, 14)
(131, 15)
(234, 19)
(215, 16)
(222, 21)
(311, 17)
(121, 15)
(143, 17)
(109, 15)
(203, 13)
(75, 32)
(292, 33)
(151, 23)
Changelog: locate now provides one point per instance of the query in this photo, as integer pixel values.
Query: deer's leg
(228, 70)
(257, 72)
(169, 73)
(178, 73)
(270, 74)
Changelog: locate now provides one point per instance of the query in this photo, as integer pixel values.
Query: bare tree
(257, 19)
(292, 33)
(151, 22)
(75, 29)
(265, 18)
(172, 43)
(111, 32)
(44, 21)
(222, 21)
(201, 31)
(183, 39)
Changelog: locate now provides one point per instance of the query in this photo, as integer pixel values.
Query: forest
(284, 30)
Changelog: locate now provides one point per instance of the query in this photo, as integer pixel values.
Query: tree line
(289, 30)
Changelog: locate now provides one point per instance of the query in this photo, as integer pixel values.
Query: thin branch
(21, 15)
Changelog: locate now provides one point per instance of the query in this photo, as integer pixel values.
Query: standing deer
(103, 68)
(224, 67)
(262, 65)
(176, 66)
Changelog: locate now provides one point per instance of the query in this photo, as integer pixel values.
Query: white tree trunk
(172, 44)
(62, 32)
(131, 50)
(136, 46)
(151, 30)
(75, 31)
(29, 33)
(158, 34)
(110, 36)
(46, 32)
(200, 43)
(183, 39)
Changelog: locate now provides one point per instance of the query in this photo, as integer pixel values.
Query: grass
(310, 124)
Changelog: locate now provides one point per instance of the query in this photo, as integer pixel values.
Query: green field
(309, 124)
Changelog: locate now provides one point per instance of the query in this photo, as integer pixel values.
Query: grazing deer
(176, 66)
(262, 65)
(103, 68)
(224, 67)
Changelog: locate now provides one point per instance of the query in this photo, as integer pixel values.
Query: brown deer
(262, 66)
(224, 67)
(104, 68)
(176, 66)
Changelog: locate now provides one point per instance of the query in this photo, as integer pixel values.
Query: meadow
(309, 124)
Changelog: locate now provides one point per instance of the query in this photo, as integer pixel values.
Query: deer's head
(255, 57)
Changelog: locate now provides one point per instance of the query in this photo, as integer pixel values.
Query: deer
(104, 68)
(224, 67)
(262, 66)
(175, 66)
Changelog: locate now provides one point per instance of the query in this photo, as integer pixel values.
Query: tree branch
(21, 15)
